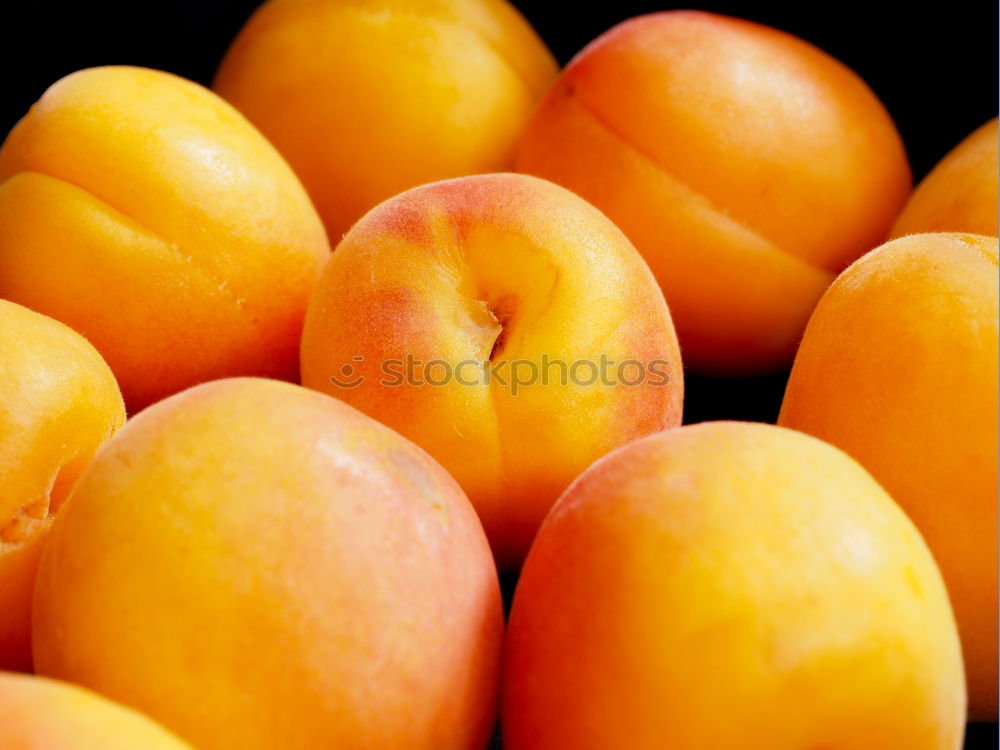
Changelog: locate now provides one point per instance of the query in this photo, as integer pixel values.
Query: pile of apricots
(291, 368)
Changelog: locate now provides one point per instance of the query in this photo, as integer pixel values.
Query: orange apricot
(41, 714)
(259, 566)
(367, 98)
(730, 586)
(899, 368)
(505, 326)
(150, 216)
(747, 166)
(960, 193)
(58, 403)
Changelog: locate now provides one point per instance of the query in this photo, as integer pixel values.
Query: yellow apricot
(747, 166)
(730, 586)
(146, 213)
(258, 566)
(367, 98)
(58, 403)
(505, 326)
(899, 368)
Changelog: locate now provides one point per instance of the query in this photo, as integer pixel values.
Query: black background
(933, 65)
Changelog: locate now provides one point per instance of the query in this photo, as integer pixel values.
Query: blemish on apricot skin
(19, 527)
(502, 311)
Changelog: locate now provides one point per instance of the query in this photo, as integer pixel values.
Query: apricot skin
(58, 403)
(487, 270)
(730, 586)
(258, 566)
(368, 98)
(960, 193)
(898, 368)
(149, 215)
(41, 714)
(747, 166)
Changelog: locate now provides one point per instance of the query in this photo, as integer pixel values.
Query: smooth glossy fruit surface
(747, 166)
(258, 566)
(899, 368)
(730, 586)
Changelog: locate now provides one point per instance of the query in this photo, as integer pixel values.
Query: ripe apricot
(58, 403)
(259, 566)
(898, 367)
(367, 98)
(747, 166)
(41, 714)
(150, 216)
(960, 193)
(473, 315)
(730, 586)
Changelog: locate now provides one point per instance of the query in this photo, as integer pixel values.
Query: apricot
(747, 166)
(58, 403)
(150, 216)
(960, 193)
(730, 586)
(367, 98)
(898, 367)
(41, 714)
(259, 566)
(504, 325)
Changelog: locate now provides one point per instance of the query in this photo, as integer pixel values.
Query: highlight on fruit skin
(368, 98)
(146, 213)
(256, 565)
(58, 403)
(960, 193)
(899, 368)
(504, 325)
(747, 166)
(728, 586)
(36, 712)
